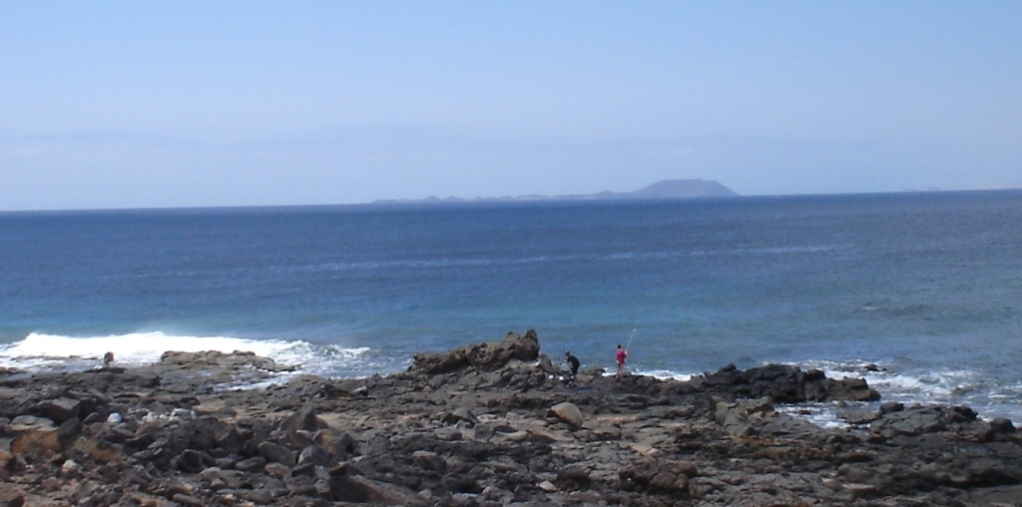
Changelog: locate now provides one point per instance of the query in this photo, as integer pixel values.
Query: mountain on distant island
(670, 189)
(666, 189)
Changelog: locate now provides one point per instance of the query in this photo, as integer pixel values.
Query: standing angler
(620, 357)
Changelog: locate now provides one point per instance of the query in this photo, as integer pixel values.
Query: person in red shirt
(620, 356)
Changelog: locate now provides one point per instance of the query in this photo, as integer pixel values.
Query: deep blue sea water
(928, 287)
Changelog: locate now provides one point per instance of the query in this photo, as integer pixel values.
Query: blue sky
(159, 104)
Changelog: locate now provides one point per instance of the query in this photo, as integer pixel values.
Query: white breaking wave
(662, 374)
(933, 386)
(945, 386)
(942, 386)
(46, 351)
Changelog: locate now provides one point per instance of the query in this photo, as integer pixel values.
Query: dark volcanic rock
(484, 425)
(277, 453)
(59, 410)
(483, 356)
(784, 384)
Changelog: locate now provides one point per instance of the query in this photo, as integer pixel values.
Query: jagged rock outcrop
(482, 356)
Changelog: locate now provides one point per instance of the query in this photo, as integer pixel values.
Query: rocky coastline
(489, 424)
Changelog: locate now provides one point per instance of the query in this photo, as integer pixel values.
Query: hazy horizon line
(452, 200)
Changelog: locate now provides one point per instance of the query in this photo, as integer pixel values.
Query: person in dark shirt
(573, 364)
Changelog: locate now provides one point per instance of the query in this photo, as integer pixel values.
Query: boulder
(340, 445)
(253, 464)
(11, 498)
(59, 410)
(846, 389)
(567, 412)
(1002, 425)
(857, 416)
(663, 475)
(357, 489)
(189, 461)
(69, 431)
(303, 419)
(574, 473)
(546, 365)
(461, 414)
(314, 455)
(34, 436)
(229, 439)
(277, 453)
(730, 414)
(910, 422)
(547, 486)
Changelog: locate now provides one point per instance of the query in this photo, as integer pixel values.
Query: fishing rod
(631, 337)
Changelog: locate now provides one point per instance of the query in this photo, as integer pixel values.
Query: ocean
(919, 293)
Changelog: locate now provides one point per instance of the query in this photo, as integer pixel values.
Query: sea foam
(664, 374)
(46, 351)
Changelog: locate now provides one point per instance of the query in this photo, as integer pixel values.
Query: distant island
(666, 189)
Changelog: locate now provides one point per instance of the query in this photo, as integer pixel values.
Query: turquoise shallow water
(926, 286)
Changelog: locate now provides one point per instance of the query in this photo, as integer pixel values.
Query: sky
(126, 104)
